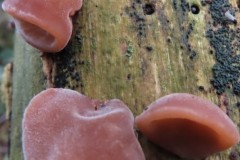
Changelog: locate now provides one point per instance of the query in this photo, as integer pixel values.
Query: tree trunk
(136, 51)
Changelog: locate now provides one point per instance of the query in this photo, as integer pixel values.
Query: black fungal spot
(195, 9)
(225, 43)
(129, 76)
(238, 104)
(66, 65)
(182, 8)
(234, 155)
(203, 3)
(163, 19)
(218, 9)
(149, 48)
(211, 51)
(149, 9)
(193, 54)
(169, 40)
(174, 4)
(187, 33)
(201, 88)
(236, 88)
(137, 15)
(235, 22)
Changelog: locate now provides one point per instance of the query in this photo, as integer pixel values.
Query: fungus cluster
(62, 124)
(45, 25)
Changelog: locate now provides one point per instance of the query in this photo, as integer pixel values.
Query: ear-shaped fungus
(45, 24)
(61, 124)
(188, 126)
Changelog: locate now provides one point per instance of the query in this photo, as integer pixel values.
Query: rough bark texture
(136, 51)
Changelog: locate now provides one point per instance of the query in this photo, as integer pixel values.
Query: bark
(136, 51)
(27, 82)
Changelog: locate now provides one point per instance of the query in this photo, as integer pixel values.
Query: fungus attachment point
(62, 124)
(45, 25)
(188, 126)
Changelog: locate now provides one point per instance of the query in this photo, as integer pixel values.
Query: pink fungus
(188, 126)
(45, 24)
(62, 124)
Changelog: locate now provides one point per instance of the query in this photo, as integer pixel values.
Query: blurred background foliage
(6, 55)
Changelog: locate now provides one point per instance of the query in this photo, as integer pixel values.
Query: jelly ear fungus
(187, 125)
(62, 124)
(44, 24)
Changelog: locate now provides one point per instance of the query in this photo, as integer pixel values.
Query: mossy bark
(134, 50)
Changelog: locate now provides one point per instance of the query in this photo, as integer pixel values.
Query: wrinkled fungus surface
(45, 24)
(188, 126)
(62, 124)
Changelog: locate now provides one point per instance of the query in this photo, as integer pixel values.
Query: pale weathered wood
(27, 81)
(119, 51)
